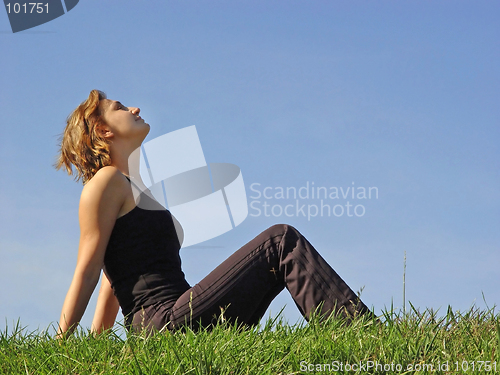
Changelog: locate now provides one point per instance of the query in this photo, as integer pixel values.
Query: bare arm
(107, 307)
(100, 203)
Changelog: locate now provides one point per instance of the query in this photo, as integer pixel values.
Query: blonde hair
(81, 145)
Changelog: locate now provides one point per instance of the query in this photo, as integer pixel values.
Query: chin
(146, 132)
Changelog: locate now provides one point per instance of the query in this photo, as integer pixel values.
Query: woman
(138, 248)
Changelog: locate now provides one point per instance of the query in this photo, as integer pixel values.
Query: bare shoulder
(107, 189)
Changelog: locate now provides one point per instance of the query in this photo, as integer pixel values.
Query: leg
(246, 283)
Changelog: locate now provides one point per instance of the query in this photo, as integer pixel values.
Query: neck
(127, 161)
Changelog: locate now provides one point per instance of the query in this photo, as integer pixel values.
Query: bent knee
(281, 228)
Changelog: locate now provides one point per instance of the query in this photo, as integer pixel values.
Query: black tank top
(142, 259)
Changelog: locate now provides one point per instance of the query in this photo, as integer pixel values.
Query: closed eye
(120, 106)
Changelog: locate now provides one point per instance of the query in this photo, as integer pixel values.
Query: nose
(135, 111)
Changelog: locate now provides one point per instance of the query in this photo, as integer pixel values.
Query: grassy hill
(413, 343)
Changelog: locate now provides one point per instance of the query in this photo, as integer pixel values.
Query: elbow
(88, 276)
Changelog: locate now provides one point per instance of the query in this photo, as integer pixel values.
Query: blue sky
(401, 96)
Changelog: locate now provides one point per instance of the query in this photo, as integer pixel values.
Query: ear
(104, 131)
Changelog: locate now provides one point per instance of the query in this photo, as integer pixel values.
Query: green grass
(414, 339)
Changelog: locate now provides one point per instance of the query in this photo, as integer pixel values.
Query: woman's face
(123, 122)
